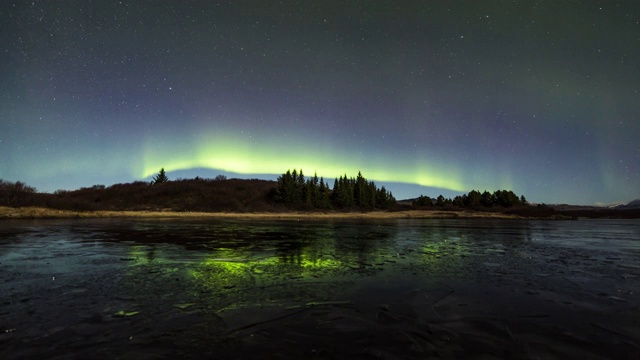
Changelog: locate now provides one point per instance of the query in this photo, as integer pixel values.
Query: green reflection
(445, 247)
(225, 265)
(146, 255)
(213, 274)
(219, 273)
(320, 264)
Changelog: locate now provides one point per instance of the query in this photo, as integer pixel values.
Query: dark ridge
(254, 195)
(635, 204)
(208, 195)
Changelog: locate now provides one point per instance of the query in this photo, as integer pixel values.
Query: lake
(121, 288)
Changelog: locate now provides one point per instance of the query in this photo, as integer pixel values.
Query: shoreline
(46, 213)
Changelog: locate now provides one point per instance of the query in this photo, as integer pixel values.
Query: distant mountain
(635, 204)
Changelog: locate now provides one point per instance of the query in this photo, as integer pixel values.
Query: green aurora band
(238, 155)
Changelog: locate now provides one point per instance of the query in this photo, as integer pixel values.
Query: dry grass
(46, 213)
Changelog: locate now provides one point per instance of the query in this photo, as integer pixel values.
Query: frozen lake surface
(319, 289)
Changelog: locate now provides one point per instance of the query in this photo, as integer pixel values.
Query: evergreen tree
(391, 201)
(423, 200)
(372, 191)
(459, 201)
(384, 199)
(324, 201)
(474, 199)
(314, 187)
(360, 191)
(160, 178)
(336, 191)
(294, 190)
(486, 199)
(507, 198)
(286, 191)
(344, 196)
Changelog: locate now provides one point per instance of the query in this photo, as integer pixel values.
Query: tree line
(348, 192)
(15, 193)
(475, 199)
(292, 189)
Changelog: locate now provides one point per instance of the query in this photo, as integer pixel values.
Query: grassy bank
(46, 213)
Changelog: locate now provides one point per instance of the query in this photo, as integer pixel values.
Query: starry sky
(425, 97)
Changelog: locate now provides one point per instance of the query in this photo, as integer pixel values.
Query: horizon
(405, 191)
(430, 98)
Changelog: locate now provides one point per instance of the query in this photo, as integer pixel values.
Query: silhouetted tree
(459, 200)
(323, 201)
(384, 199)
(15, 193)
(506, 198)
(347, 192)
(486, 199)
(292, 190)
(343, 193)
(423, 201)
(160, 178)
(473, 199)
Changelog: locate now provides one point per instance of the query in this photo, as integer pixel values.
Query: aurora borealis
(429, 97)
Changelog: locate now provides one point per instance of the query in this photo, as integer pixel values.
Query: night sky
(425, 97)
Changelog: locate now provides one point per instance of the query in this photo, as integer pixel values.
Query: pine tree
(160, 178)
(324, 200)
(486, 199)
(294, 190)
(422, 200)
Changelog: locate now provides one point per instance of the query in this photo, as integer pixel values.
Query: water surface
(339, 289)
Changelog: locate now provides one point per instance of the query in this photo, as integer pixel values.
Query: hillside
(256, 196)
(635, 204)
(206, 195)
